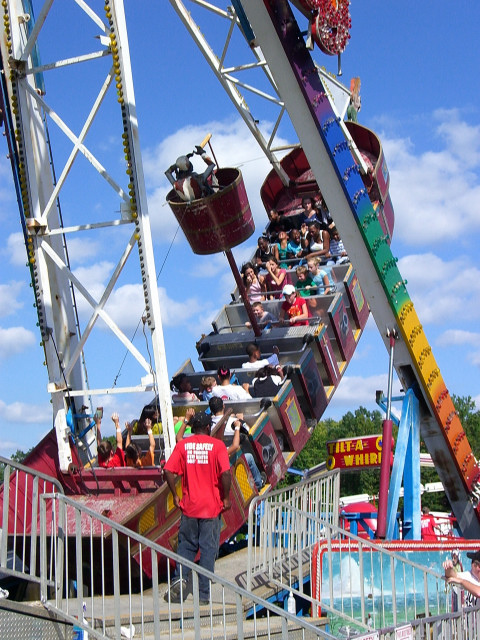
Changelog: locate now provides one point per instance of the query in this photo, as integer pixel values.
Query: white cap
(288, 289)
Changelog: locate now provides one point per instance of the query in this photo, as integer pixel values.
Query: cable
(141, 318)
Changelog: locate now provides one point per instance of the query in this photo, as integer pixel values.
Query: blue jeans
(257, 478)
(199, 534)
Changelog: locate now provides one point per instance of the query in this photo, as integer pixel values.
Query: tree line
(362, 423)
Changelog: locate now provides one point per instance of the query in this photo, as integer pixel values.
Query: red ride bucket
(218, 222)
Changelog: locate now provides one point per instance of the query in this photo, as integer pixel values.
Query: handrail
(20, 520)
(289, 546)
(80, 550)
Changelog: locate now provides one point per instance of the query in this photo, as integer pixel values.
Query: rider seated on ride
(280, 249)
(183, 388)
(264, 252)
(106, 456)
(133, 453)
(294, 309)
(321, 276)
(317, 241)
(254, 283)
(294, 247)
(323, 213)
(309, 214)
(277, 223)
(267, 383)
(305, 285)
(337, 250)
(206, 385)
(255, 360)
(263, 317)
(188, 184)
(149, 412)
(232, 428)
(228, 391)
(275, 279)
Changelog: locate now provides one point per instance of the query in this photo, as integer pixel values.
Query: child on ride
(254, 283)
(294, 309)
(321, 277)
(294, 247)
(181, 384)
(305, 285)
(280, 249)
(275, 279)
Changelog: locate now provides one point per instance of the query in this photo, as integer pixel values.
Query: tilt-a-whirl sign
(354, 453)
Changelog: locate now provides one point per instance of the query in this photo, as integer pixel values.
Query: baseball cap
(200, 421)
(288, 289)
(474, 556)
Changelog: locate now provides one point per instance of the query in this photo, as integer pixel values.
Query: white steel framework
(57, 288)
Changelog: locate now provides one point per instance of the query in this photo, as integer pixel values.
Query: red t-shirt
(427, 527)
(200, 460)
(117, 460)
(295, 309)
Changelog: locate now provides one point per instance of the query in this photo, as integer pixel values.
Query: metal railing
(351, 579)
(20, 494)
(101, 585)
(273, 522)
(92, 573)
(458, 625)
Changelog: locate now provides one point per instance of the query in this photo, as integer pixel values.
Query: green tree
(470, 419)
(18, 456)
(363, 422)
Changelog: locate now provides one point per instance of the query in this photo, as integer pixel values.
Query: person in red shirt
(202, 463)
(106, 456)
(428, 527)
(295, 308)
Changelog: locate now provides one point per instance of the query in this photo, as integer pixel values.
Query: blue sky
(418, 69)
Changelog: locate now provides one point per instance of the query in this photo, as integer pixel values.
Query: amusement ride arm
(321, 134)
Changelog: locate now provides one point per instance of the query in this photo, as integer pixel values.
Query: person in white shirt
(231, 436)
(228, 391)
(255, 360)
(468, 580)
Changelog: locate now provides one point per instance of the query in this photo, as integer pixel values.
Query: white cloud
(80, 250)
(439, 288)
(462, 139)
(458, 337)
(9, 302)
(359, 390)
(24, 412)
(15, 249)
(15, 340)
(436, 193)
(126, 306)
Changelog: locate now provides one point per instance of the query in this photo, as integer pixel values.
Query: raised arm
(235, 446)
(98, 424)
(189, 413)
(151, 439)
(118, 430)
(129, 428)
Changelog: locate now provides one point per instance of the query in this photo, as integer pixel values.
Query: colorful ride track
(323, 140)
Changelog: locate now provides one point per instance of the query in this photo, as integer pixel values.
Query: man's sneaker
(204, 602)
(177, 592)
(264, 479)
